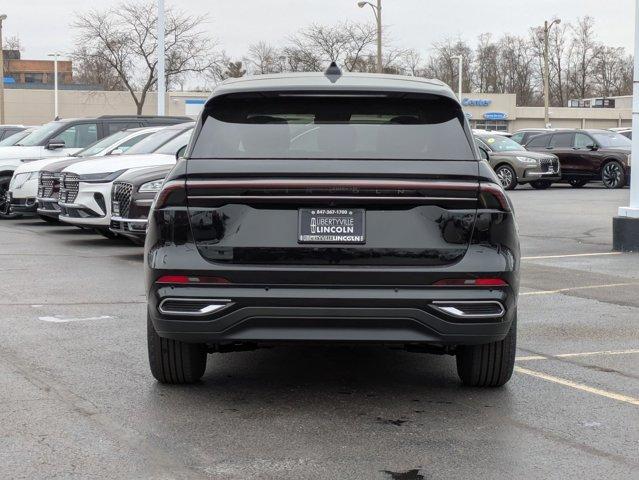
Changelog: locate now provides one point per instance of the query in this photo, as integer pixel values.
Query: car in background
(514, 165)
(9, 130)
(62, 138)
(626, 132)
(30, 190)
(371, 184)
(587, 155)
(131, 197)
(49, 180)
(85, 187)
(503, 133)
(11, 140)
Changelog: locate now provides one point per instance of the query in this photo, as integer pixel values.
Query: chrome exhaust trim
(206, 306)
(464, 309)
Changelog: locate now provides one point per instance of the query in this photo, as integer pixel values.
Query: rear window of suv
(314, 126)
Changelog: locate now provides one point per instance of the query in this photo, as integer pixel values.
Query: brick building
(19, 71)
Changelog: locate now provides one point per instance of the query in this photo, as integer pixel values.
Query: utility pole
(377, 10)
(547, 70)
(55, 85)
(625, 227)
(2, 18)
(161, 59)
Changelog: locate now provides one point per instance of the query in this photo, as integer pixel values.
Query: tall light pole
(2, 18)
(547, 28)
(55, 84)
(460, 71)
(161, 59)
(377, 10)
(625, 227)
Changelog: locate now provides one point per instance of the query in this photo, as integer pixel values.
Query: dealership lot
(78, 400)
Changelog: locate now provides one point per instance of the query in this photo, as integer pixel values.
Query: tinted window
(561, 140)
(124, 146)
(582, 141)
(518, 137)
(627, 134)
(538, 141)
(114, 127)
(151, 143)
(79, 136)
(15, 138)
(297, 125)
(171, 148)
(612, 140)
(41, 134)
(97, 147)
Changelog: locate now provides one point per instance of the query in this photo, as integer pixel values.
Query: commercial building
(485, 111)
(29, 72)
(500, 112)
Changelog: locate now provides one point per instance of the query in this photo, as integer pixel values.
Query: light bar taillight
(491, 193)
(471, 282)
(185, 279)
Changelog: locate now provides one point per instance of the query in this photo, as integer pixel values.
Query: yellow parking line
(585, 287)
(542, 257)
(580, 354)
(579, 386)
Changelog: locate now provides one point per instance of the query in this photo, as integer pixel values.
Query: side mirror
(116, 151)
(594, 147)
(484, 154)
(180, 153)
(55, 143)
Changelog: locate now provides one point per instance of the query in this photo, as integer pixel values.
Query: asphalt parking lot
(77, 399)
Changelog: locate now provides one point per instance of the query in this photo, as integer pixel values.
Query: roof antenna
(333, 72)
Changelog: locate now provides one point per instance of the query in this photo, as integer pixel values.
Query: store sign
(495, 116)
(476, 102)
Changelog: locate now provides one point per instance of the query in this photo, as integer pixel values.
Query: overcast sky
(43, 25)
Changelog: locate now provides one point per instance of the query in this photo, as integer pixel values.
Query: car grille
(121, 195)
(69, 186)
(545, 164)
(48, 185)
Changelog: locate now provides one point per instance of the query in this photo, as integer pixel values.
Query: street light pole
(377, 10)
(460, 70)
(625, 227)
(547, 70)
(55, 85)
(2, 18)
(161, 59)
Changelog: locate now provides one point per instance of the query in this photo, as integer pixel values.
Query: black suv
(332, 208)
(587, 155)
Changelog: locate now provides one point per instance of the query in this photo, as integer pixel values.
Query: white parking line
(579, 386)
(580, 354)
(542, 257)
(62, 319)
(585, 287)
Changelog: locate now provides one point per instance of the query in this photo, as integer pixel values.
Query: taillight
(471, 282)
(493, 196)
(185, 279)
(174, 189)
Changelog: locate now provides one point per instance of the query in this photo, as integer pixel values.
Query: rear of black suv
(328, 209)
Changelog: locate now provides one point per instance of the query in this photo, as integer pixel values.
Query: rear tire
(576, 183)
(507, 177)
(612, 175)
(541, 184)
(172, 361)
(488, 365)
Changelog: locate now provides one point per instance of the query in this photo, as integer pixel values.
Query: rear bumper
(324, 314)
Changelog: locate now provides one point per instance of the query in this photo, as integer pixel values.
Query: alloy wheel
(612, 175)
(506, 177)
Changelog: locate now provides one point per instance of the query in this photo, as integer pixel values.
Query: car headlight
(101, 177)
(21, 178)
(528, 160)
(152, 186)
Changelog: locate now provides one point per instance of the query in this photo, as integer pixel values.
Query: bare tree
(124, 37)
(582, 56)
(90, 69)
(264, 58)
(443, 66)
